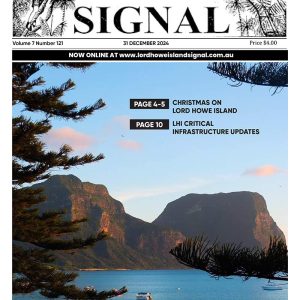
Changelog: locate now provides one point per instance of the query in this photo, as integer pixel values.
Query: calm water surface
(176, 285)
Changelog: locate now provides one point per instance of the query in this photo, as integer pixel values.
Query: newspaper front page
(149, 149)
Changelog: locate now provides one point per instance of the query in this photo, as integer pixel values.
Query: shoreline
(102, 269)
(125, 269)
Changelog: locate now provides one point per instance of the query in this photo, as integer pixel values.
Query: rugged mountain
(133, 243)
(240, 217)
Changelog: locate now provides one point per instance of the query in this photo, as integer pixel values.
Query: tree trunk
(269, 18)
(258, 16)
(240, 17)
(35, 16)
(64, 14)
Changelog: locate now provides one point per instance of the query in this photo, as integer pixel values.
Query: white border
(5, 152)
(294, 148)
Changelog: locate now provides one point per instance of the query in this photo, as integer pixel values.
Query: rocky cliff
(239, 217)
(133, 243)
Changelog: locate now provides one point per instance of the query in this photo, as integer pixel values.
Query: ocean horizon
(175, 285)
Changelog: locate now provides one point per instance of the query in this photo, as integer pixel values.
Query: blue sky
(147, 169)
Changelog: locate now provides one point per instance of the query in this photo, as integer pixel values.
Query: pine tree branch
(72, 244)
(48, 100)
(265, 74)
(46, 278)
(41, 169)
(82, 66)
(37, 233)
(234, 260)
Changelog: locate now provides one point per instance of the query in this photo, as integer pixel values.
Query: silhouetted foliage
(225, 260)
(271, 74)
(36, 233)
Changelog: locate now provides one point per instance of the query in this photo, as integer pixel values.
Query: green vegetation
(36, 233)
(270, 74)
(225, 260)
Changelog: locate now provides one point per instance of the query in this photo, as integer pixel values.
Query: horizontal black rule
(150, 124)
(149, 103)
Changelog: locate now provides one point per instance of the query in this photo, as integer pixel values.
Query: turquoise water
(176, 285)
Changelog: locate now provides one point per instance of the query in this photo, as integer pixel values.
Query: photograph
(149, 180)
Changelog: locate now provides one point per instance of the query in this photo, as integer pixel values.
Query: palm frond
(45, 29)
(59, 29)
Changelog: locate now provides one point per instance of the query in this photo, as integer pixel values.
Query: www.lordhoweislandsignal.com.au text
(150, 55)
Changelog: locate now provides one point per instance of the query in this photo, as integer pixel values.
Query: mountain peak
(70, 178)
(132, 243)
(72, 182)
(238, 217)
